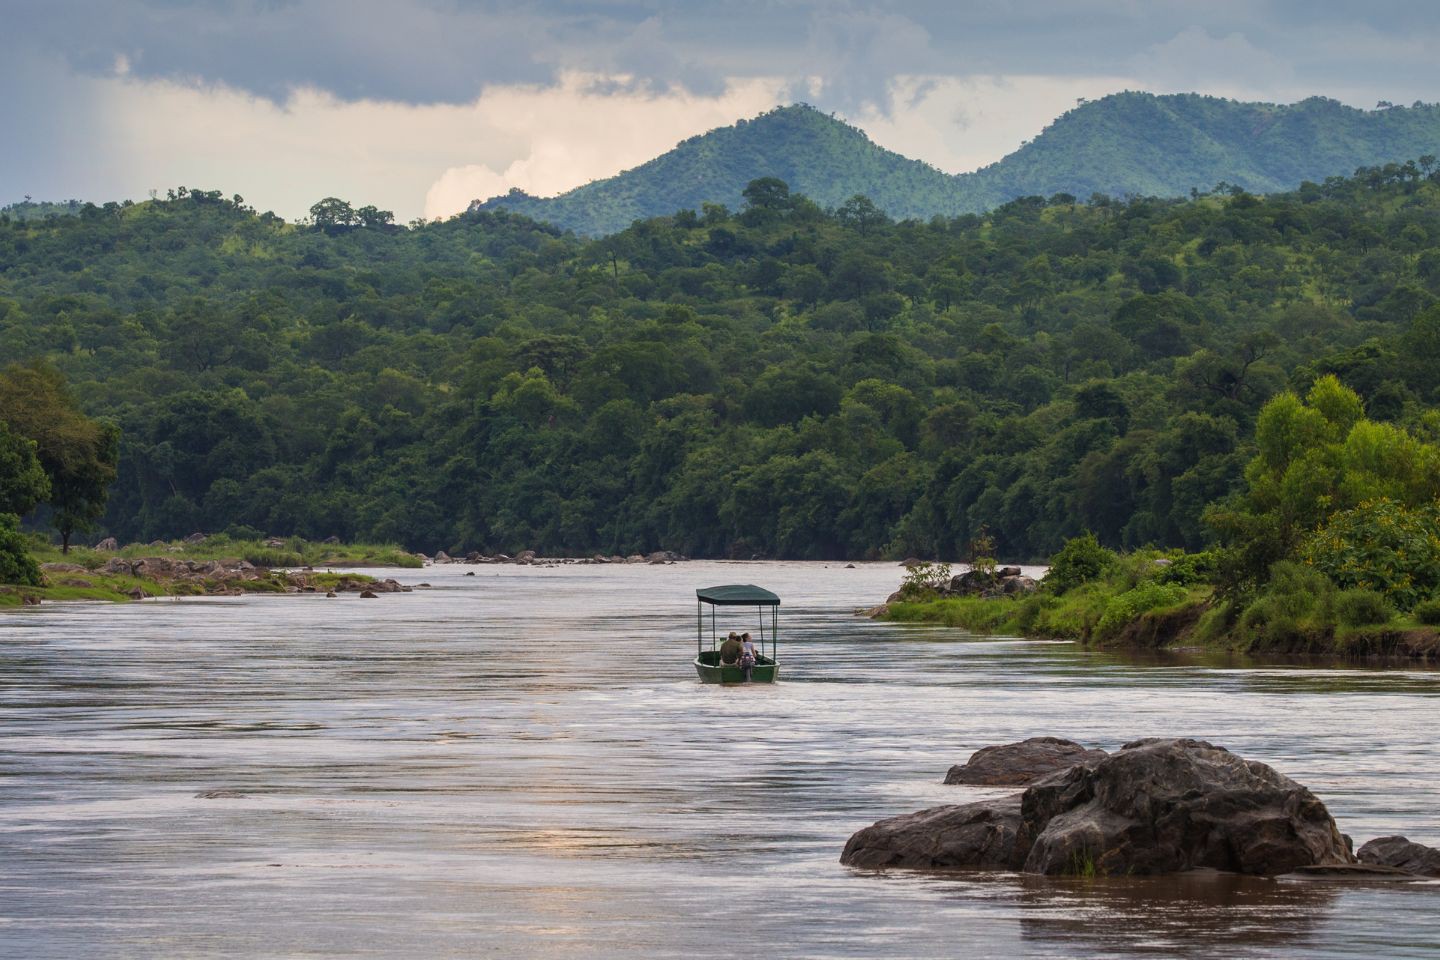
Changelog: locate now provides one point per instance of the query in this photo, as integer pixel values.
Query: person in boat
(731, 650)
(747, 655)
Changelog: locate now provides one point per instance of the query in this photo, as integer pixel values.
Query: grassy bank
(63, 586)
(1155, 600)
(293, 552)
(217, 566)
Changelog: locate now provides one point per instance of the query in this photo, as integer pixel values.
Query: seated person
(730, 650)
(748, 655)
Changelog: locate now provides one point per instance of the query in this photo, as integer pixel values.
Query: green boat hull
(708, 666)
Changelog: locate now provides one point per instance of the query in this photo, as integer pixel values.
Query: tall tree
(79, 455)
(23, 482)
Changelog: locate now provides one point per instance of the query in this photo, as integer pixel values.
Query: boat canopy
(738, 595)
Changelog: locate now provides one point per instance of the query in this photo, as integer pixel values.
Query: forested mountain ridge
(778, 380)
(1125, 144)
(826, 159)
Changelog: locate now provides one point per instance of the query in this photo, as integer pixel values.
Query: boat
(707, 662)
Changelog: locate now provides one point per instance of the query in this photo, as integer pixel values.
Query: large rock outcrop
(1020, 764)
(1154, 806)
(1162, 806)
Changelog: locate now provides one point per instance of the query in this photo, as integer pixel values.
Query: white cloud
(963, 123)
(580, 131)
(414, 159)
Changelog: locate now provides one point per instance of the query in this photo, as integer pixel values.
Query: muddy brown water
(522, 764)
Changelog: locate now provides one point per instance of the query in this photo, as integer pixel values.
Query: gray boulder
(1154, 806)
(1016, 585)
(1020, 764)
(1163, 806)
(1402, 854)
(983, 834)
(62, 568)
(109, 543)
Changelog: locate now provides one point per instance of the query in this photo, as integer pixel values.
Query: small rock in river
(1402, 854)
(1019, 764)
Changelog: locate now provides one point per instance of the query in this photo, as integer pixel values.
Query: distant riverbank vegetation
(779, 380)
(1331, 546)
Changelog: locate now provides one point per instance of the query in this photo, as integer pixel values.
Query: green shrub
(1080, 560)
(1125, 607)
(16, 564)
(1189, 569)
(1427, 612)
(924, 579)
(1381, 545)
(1358, 608)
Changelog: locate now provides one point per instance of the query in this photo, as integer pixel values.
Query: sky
(420, 106)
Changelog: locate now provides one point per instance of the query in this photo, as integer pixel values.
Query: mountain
(1124, 144)
(824, 158)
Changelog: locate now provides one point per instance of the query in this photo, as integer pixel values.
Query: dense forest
(780, 380)
(1121, 145)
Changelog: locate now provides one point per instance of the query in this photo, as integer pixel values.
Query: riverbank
(270, 553)
(1151, 601)
(214, 566)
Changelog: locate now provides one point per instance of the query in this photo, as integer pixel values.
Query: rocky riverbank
(1153, 806)
(138, 578)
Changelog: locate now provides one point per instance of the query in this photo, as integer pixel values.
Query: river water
(521, 763)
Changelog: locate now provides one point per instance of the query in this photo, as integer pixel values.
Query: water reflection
(471, 770)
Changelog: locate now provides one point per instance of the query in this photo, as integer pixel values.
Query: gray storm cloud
(447, 51)
(423, 104)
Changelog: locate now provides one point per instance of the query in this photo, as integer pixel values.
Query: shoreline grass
(295, 552)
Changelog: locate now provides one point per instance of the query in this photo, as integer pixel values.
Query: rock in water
(980, 834)
(1162, 806)
(1020, 764)
(1154, 806)
(1402, 854)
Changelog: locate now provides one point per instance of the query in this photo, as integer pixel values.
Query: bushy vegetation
(1080, 560)
(16, 564)
(782, 380)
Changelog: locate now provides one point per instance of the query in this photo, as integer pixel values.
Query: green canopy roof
(738, 595)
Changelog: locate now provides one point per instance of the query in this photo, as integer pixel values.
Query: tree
(23, 482)
(16, 564)
(766, 199)
(861, 213)
(79, 455)
(333, 215)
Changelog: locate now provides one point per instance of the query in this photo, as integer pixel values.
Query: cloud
(421, 105)
(963, 123)
(138, 135)
(577, 133)
(1229, 65)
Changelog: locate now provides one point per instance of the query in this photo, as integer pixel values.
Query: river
(521, 763)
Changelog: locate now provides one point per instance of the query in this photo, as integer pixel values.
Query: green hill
(826, 159)
(1124, 144)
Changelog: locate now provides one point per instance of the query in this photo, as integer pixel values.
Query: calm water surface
(522, 764)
